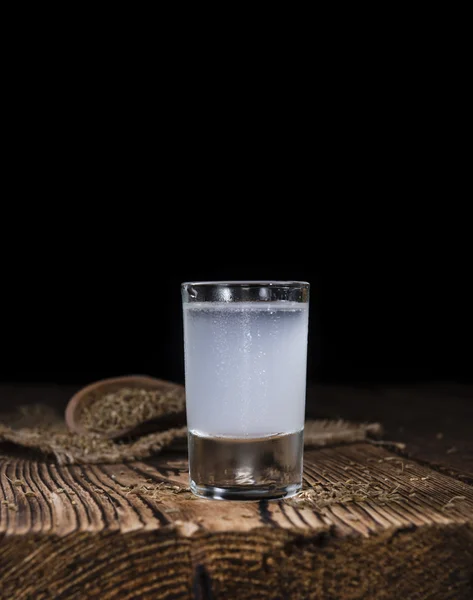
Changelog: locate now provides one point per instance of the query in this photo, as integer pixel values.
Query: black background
(119, 185)
(89, 300)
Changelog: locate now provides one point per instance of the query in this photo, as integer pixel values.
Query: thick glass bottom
(244, 493)
(246, 468)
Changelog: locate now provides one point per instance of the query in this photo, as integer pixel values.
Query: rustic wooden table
(101, 531)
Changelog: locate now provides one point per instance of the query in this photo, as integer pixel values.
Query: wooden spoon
(88, 394)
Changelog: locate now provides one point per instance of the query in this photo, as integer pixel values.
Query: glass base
(246, 468)
(242, 493)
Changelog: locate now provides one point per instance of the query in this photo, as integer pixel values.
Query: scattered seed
(128, 407)
(439, 435)
(74, 502)
(171, 510)
(412, 495)
(113, 476)
(30, 494)
(413, 478)
(5, 502)
(452, 450)
(60, 491)
(450, 503)
(12, 506)
(16, 482)
(424, 478)
(320, 497)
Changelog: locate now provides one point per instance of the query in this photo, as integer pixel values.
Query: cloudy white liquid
(245, 367)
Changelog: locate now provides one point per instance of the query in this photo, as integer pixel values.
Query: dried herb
(129, 407)
(348, 491)
(16, 482)
(450, 504)
(157, 491)
(40, 428)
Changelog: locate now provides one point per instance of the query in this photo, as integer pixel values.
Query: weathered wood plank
(98, 539)
(428, 563)
(135, 531)
(46, 498)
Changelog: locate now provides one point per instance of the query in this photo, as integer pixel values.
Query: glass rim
(249, 283)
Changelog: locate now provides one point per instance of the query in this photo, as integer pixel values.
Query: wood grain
(97, 532)
(98, 497)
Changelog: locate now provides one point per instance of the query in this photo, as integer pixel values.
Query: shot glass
(245, 372)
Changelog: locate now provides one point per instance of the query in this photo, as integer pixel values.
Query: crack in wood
(202, 584)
